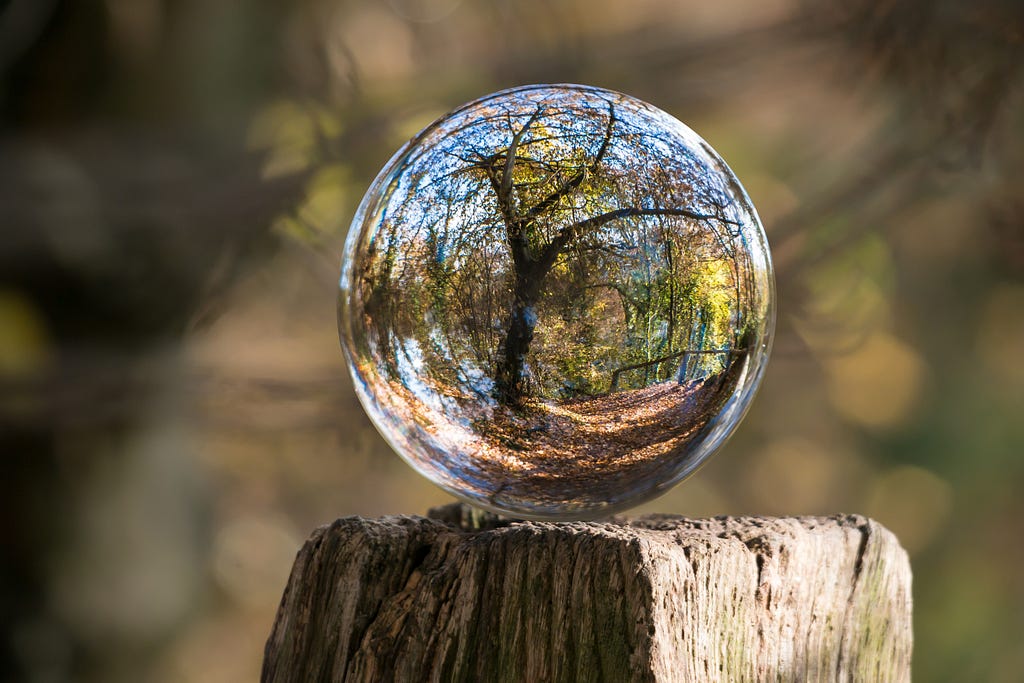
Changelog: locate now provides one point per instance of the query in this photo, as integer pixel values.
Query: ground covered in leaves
(568, 455)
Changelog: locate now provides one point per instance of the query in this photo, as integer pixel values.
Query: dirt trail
(560, 452)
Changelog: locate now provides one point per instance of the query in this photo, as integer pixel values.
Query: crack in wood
(470, 596)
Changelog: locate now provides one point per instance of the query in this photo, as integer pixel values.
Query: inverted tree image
(547, 246)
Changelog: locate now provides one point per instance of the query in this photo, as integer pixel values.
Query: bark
(510, 373)
(467, 596)
(531, 265)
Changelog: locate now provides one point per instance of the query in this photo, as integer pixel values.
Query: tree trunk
(468, 596)
(510, 375)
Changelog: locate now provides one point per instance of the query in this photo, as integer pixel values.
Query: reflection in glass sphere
(556, 301)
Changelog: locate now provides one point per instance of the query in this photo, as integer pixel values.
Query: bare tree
(526, 184)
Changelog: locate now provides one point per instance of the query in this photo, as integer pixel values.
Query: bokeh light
(176, 182)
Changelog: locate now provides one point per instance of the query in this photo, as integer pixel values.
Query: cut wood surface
(469, 596)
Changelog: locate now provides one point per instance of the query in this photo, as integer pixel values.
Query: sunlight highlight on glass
(556, 301)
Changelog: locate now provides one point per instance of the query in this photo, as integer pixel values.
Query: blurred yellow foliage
(878, 384)
(321, 214)
(252, 556)
(291, 134)
(999, 342)
(915, 503)
(796, 474)
(24, 343)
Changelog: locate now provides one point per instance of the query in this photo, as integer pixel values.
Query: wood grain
(468, 596)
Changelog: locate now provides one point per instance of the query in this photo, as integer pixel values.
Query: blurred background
(176, 181)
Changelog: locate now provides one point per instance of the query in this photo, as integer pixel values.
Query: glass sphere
(556, 302)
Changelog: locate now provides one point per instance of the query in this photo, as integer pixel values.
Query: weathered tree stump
(468, 596)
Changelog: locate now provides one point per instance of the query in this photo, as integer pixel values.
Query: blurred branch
(21, 23)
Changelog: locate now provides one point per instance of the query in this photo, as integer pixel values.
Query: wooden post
(468, 596)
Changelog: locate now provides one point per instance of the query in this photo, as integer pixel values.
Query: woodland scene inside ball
(556, 301)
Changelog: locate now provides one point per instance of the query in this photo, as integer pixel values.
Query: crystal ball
(556, 302)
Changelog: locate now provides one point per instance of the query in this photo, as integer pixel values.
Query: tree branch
(571, 232)
(503, 206)
(505, 189)
(577, 179)
(618, 288)
(678, 354)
